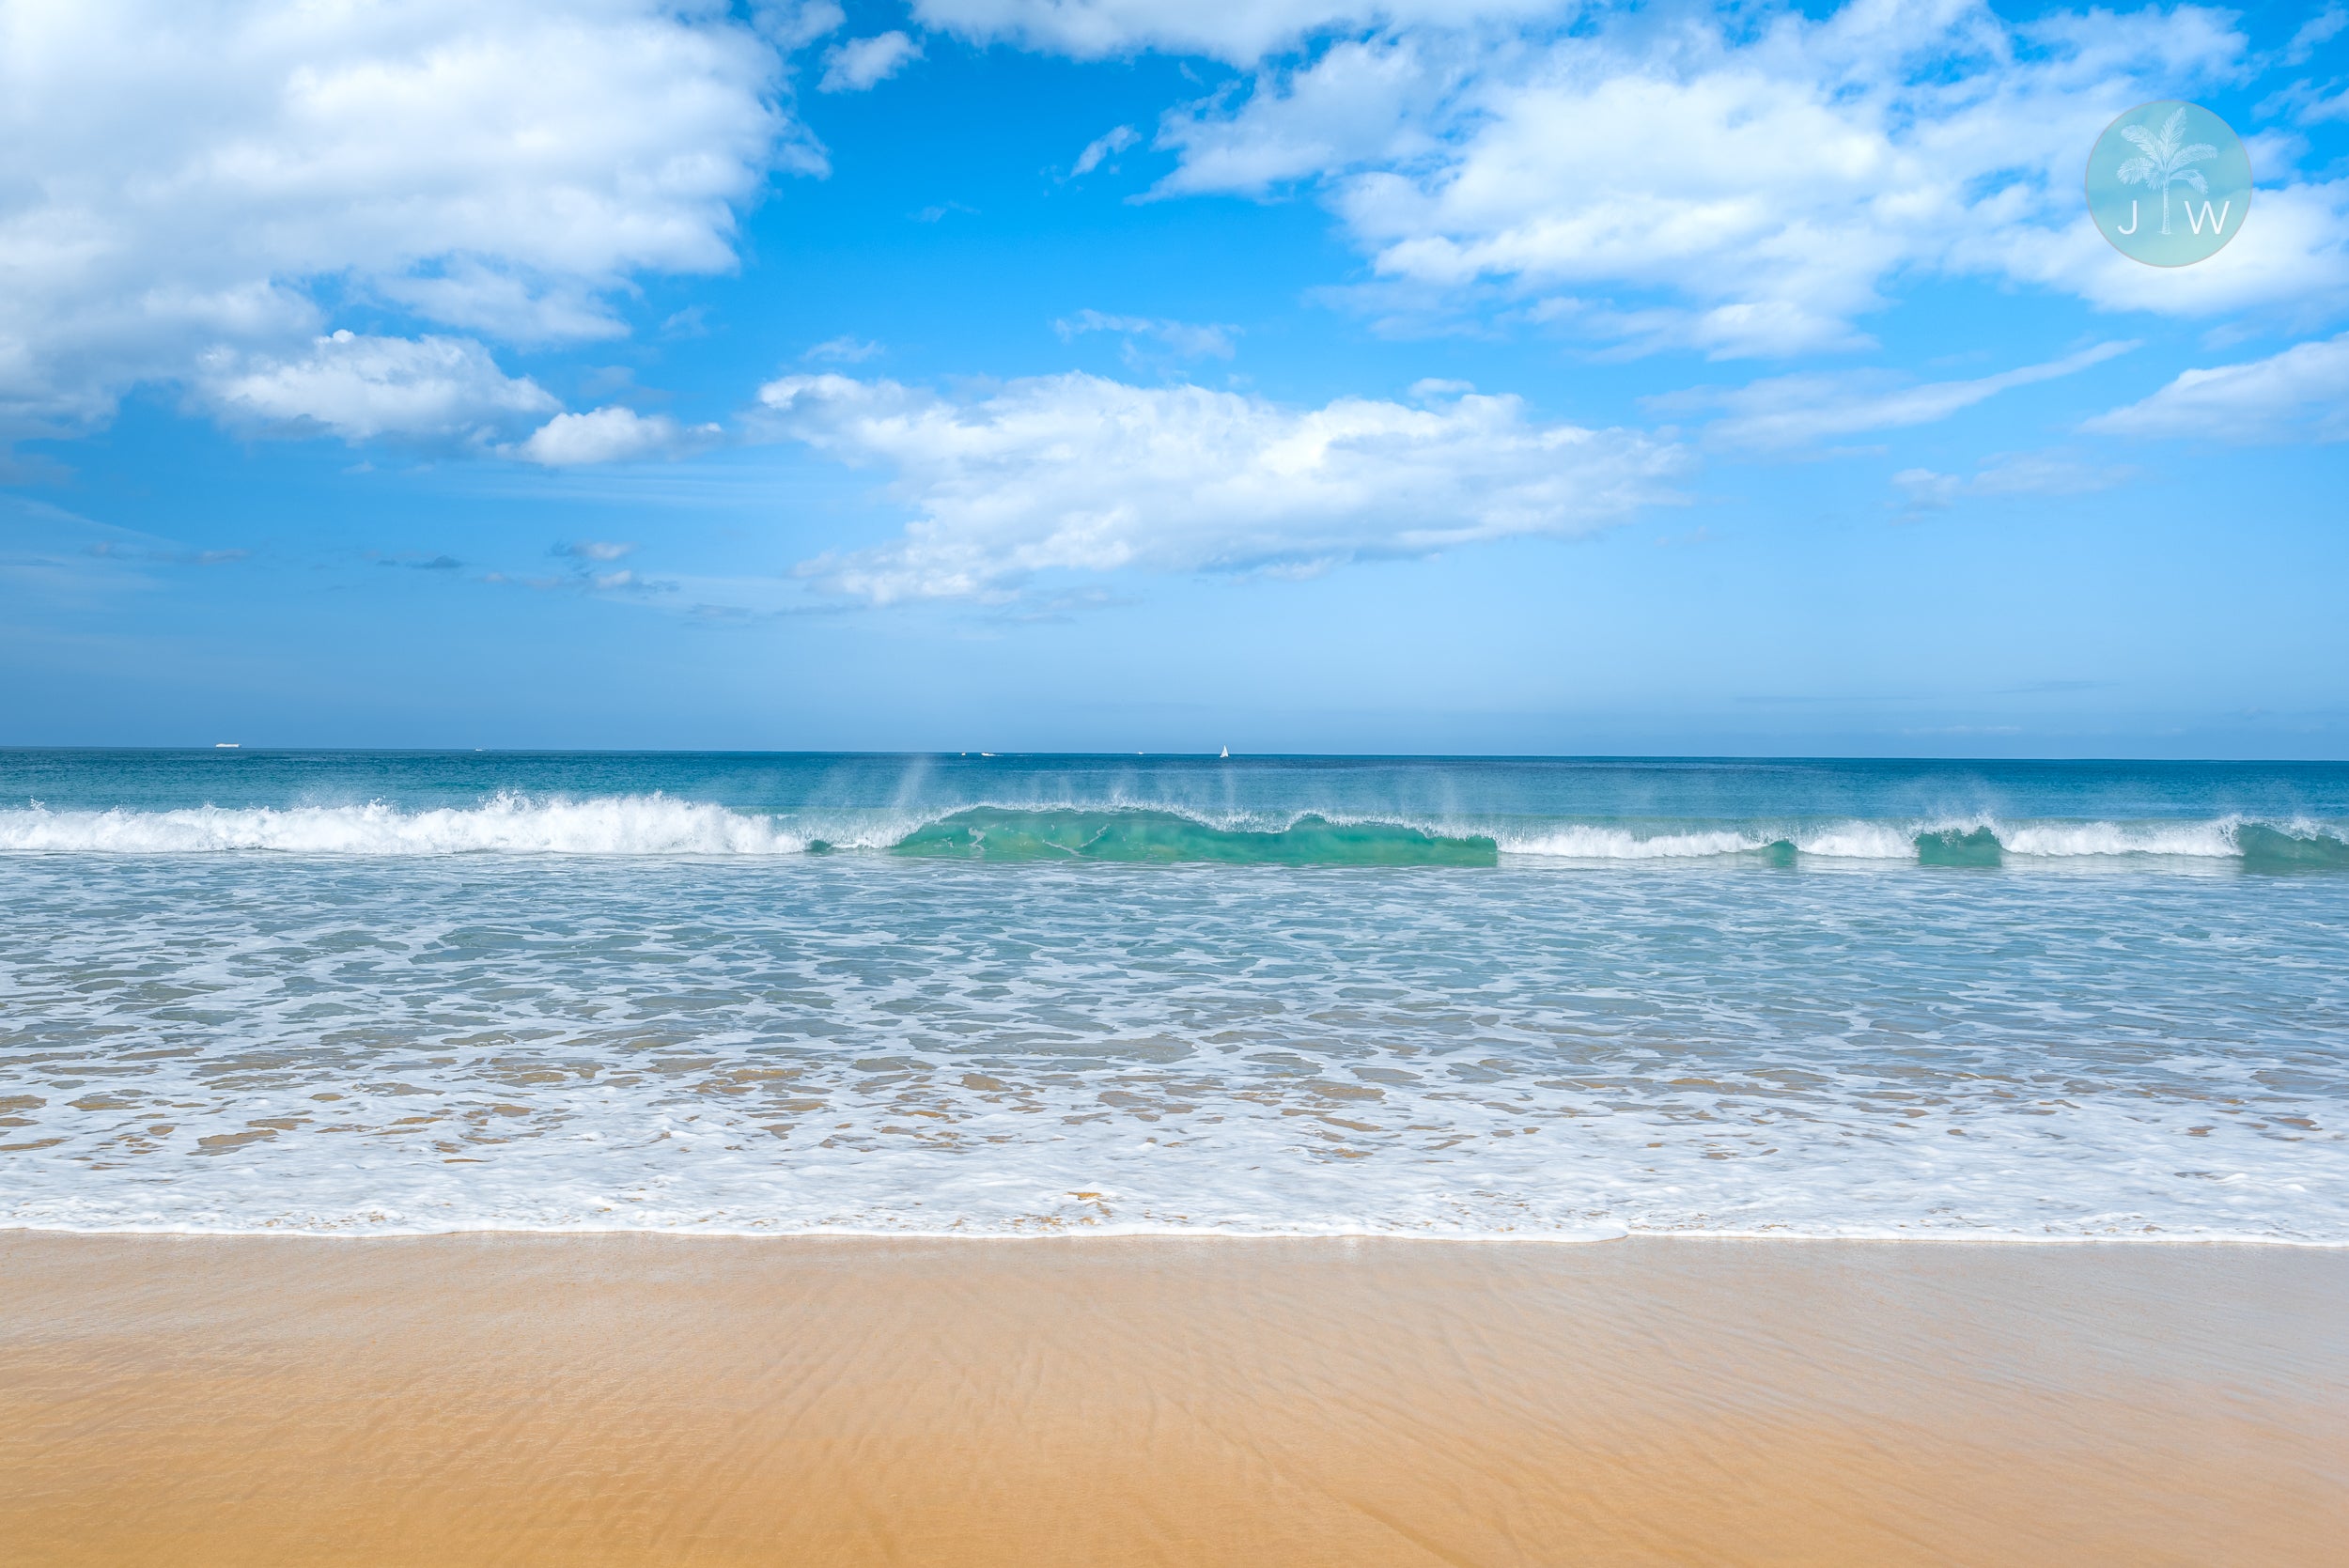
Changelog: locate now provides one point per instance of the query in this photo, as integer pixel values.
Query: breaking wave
(991, 833)
(659, 825)
(511, 824)
(2266, 845)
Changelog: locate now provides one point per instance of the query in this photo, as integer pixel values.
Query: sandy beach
(517, 1399)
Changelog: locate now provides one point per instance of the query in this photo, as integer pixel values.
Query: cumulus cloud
(611, 435)
(1075, 473)
(1792, 410)
(360, 388)
(176, 179)
(1754, 184)
(2301, 393)
(1239, 31)
(863, 63)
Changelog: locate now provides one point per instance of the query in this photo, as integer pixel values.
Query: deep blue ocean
(403, 991)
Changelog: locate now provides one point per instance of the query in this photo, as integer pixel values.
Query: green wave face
(1952, 848)
(992, 833)
(2265, 849)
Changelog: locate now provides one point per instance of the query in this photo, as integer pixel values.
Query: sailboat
(1227, 753)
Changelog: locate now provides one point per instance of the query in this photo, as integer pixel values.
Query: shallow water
(593, 992)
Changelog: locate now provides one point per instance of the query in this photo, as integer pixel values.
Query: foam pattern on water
(656, 824)
(790, 1043)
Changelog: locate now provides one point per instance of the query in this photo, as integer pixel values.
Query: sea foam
(511, 824)
(867, 1042)
(658, 824)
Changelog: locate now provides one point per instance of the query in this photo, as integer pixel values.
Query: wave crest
(657, 824)
(997, 834)
(514, 824)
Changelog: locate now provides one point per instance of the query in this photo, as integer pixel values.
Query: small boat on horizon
(1227, 753)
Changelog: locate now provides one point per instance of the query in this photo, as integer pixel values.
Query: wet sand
(629, 1400)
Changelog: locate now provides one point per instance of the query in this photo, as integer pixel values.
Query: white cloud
(2318, 29)
(847, 349)
(792, 23)
(358, 388)
(2306, 103)
(1752, 184)
(177, 177)
(611, 435)
(2301, 393)
(1187, 339)
(1792, 410)
(1239, 31)
(1928, 490)
(1107, 145)
(863, 63)
(1079, 474)
(2011, 474)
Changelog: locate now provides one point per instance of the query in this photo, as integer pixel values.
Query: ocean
(961, 994)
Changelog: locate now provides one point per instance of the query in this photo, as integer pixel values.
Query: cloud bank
(1750, 183)
(360, 388)
(1079, 474)
(182, 182)
(1237, 31)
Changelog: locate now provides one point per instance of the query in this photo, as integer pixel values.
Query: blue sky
(1493, 376)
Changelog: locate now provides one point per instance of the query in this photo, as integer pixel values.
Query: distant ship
(224, 745)
(1227, 753)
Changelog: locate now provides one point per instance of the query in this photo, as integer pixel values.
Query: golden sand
(521, 1400)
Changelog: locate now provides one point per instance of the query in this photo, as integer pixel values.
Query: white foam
(1869, 841)
(2203, 840)
(1615, 844)
(513, 824)
(860, 1043)
(1896, 840)
(657, 824)
(1862, 841)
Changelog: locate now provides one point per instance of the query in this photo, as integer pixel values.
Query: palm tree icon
(2164, 162)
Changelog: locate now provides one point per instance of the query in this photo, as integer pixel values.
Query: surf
(1167, 838)
(507, 823)
(1124, 829)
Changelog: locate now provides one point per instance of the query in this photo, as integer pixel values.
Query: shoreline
(1075, 1233)
(640, 1398)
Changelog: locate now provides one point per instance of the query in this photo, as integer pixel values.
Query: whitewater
(657, 824)
(388, 993)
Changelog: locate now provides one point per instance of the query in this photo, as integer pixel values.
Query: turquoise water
(247, 990)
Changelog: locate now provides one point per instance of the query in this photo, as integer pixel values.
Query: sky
(1441, 376)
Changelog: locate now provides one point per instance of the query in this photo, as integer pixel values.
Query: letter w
(2217, 225)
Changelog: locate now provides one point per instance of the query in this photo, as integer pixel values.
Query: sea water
(366, 992)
